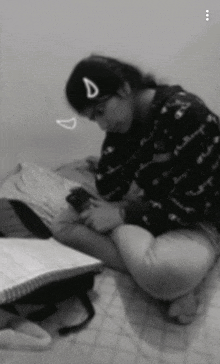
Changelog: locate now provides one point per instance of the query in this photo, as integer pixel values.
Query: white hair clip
(91, 88)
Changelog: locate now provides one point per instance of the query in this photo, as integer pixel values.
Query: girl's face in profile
(114, 115)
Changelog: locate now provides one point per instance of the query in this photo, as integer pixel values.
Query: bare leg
(74, 234)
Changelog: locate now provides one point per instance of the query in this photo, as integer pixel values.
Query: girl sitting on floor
(166, 141)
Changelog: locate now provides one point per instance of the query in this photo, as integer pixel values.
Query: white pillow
(41, 189)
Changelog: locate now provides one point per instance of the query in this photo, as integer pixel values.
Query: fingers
(85, 214)
(87, 217)
(88, 221)
(97, 203)
(92, 159)
(92, 162)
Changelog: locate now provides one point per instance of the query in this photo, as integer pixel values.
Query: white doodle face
(69, 124)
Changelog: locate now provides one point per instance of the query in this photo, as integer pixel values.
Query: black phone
(79, 198)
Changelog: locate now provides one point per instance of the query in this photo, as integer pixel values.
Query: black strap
(50, 309)
(90, 310)
(30, 219)
(43, 313)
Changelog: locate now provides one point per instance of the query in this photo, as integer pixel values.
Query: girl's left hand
(102, 216)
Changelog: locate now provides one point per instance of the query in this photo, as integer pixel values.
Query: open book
(27, 264)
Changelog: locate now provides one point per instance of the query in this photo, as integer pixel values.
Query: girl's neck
(143, 103)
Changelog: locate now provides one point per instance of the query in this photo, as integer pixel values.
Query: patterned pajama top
(173, 156)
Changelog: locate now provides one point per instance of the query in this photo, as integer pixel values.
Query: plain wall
(42, 40)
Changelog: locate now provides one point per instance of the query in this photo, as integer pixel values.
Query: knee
(133, 242)
(164, 279)
(175, 264)
(151, 262)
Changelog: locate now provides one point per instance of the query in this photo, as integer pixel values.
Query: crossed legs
(169, 267)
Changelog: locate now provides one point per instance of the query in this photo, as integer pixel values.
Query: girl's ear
(125, 90)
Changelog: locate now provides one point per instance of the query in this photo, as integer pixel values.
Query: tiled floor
(129, 328)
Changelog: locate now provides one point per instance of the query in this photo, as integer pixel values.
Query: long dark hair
(109, 74)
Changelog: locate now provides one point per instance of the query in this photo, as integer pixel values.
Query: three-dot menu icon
(207, 15)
